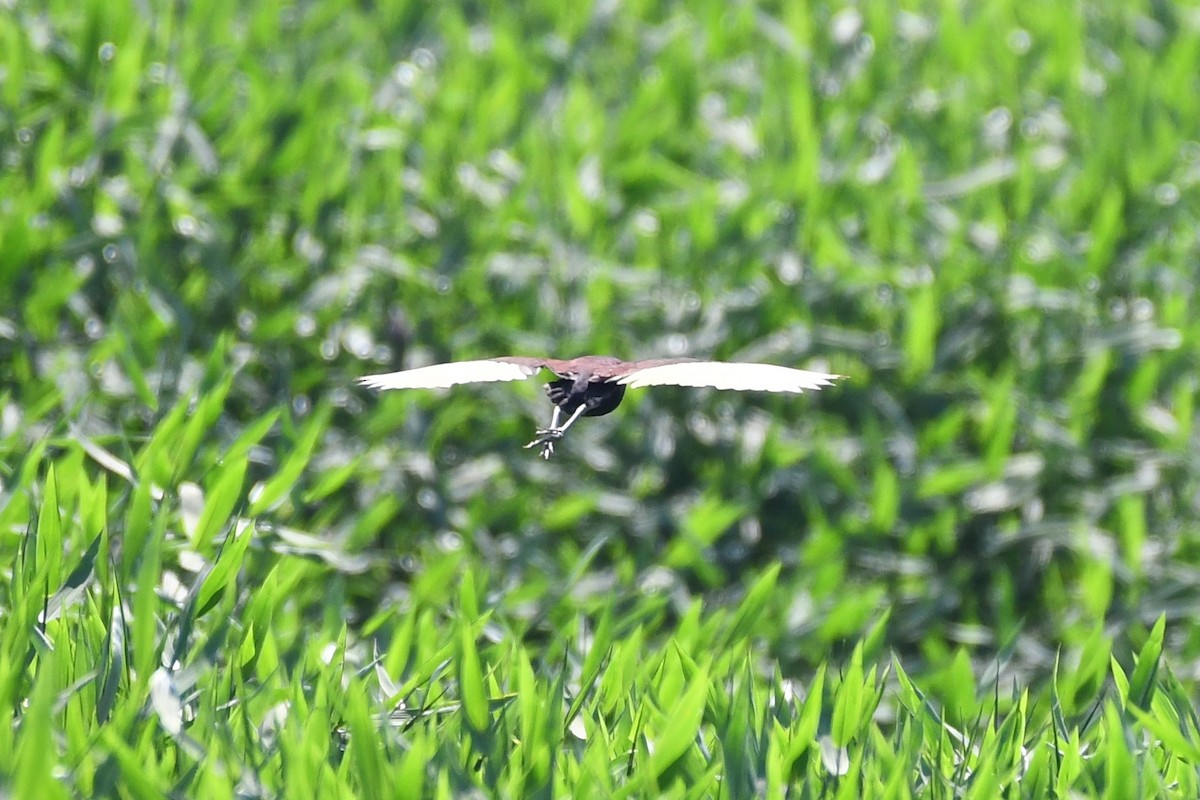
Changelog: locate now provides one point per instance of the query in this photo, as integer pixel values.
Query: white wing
(441, 376)
(723, 375)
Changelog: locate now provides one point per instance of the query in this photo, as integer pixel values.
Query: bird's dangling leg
(543, 437)
(578, 413)
(548, 436)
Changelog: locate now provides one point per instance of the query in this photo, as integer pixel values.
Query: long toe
(543, 437)
(547, 450)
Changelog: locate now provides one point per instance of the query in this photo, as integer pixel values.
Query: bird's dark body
(600, 398)
(586, 381)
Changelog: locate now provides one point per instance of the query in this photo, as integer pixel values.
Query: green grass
(970, 570)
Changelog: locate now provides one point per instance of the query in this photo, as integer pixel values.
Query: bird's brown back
(600, 368)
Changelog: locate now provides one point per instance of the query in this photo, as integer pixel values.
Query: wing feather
(729, 375)
(442, 376)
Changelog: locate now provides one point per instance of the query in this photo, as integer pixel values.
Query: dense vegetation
(972, 569)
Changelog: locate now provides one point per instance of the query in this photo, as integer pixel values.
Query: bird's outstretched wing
(724, 375)
(441, 376)
(655, 372)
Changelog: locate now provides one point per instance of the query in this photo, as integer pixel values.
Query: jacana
(592, 386)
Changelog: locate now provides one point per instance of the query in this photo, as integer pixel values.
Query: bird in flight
(592, 386)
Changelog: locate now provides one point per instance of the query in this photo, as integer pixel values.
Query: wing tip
(370, 381)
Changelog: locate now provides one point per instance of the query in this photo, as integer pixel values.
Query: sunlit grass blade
(1142, 682)
(220, 498)
(293, 465)
(223, 574)
(470, 681)
(35, 759)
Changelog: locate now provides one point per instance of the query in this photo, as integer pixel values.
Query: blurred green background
(214, 216)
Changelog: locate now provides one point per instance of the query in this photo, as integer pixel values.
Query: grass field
(970, 570)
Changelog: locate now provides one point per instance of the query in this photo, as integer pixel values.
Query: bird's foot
(546, 437)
